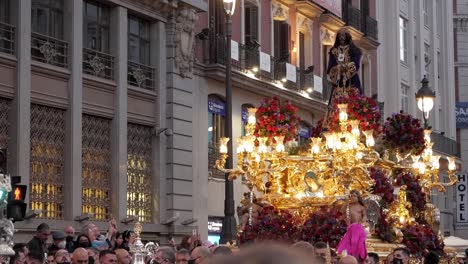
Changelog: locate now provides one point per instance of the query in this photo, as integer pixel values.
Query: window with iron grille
(139, 172)
(4, 124)
(5, 11)
(216, 125)
(251, 23)
(138, 40)
(47, 161)
(96, 26)
(47, 17)
(96, 166)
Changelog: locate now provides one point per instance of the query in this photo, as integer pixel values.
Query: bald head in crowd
(80, 256)
(348, 260)
(123, 257)
(201, 255)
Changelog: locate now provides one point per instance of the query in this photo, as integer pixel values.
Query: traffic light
(3, 161)
(16, 208)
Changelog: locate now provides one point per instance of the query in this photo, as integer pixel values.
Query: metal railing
(352, 16)
(211, 50)
(370, 27)
(49, 50)
(445, 145)
(213, 154)
(98, 64)
(141, 75)
(7, 38)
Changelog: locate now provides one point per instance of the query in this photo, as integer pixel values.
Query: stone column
(119, 26)
(20, 144)
(73, 165)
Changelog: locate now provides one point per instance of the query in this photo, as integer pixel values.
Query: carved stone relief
(185, 21)
(280, 12)
(327, 37)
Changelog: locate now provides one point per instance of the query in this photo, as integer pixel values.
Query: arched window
(216, 121)
(245, 116)
(303, 133)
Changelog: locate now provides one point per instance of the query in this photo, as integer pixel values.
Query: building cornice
(331, 22)
(309, 8)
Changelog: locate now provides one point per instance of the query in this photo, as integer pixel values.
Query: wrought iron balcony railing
(49, 50)
(98, 64)
(445, 145)
(7, 38)
(211, 50)
(141, 75)
(370, 28)
(352, 16)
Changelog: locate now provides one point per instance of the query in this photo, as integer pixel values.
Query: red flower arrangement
(404, 133)
(382, 187)
(421, 239)
(275, 118)
(272, 224)
(360, 107)
(316, 131)
(326, 224)
(384, 228)
(414, 192)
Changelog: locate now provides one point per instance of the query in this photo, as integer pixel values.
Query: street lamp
(425, 98)
(228, 231)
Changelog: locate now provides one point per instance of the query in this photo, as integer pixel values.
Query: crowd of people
(91, 247)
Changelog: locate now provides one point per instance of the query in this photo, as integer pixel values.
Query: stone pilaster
(73, 166)
(20, 144)
(119, 26)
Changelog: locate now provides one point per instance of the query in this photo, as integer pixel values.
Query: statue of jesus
(354, 241)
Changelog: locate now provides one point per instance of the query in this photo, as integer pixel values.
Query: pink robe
(354, 242)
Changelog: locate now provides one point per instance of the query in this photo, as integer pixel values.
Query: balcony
(211, 51)
(352, 16)
(445, 145)
(141, 75)
(370, 28)
(98, 64)
(49, 50)
(7, 38)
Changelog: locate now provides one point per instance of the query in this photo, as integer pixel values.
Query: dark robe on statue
(343, 67)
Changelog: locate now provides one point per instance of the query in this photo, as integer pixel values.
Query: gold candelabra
(334, 164)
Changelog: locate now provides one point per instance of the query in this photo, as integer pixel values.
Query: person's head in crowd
(51, 258)
(62, 257)
(21, 253)
(348, 260)
(123, 257)
(80, 256)
(107, 257)
(320, 249)
(165, 255)
(83, 241)
(43, 232)
(185, 243)
(91, 230)
(222, 250)
(265, 254)
(401, 255)
(69, 231)
(129, 237)
(118, 239)
(59, 239)
(372, 258)
(209, 245)
(200, 255)
(182, 256)
(34, 258)
(93, 255)
(432, 258)
(305, 247)
(389, 259)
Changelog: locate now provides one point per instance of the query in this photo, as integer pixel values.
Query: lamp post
(425, 98)
(228, 231)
